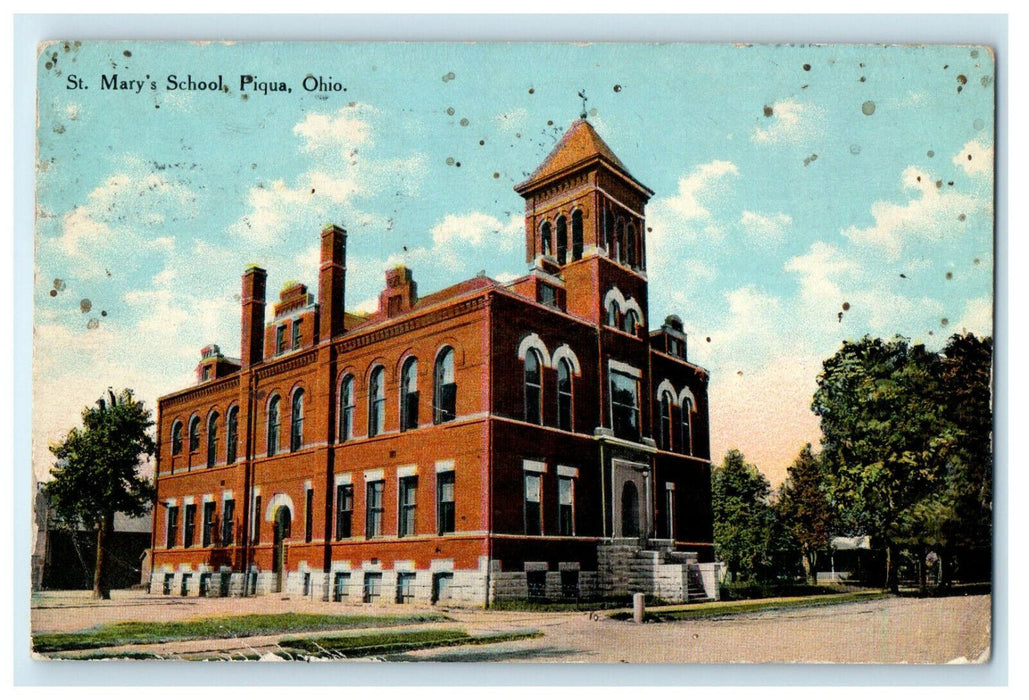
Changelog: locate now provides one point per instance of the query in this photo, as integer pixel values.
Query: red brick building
(486, 441)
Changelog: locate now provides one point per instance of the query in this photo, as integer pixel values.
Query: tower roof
(579, 145)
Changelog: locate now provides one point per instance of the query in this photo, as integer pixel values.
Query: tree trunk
(892, 584)
(922, 573)
(101, 590)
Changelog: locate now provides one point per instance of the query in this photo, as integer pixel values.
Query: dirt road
(891, 630)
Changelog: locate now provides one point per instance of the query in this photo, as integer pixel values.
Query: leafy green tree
(742, 516)
(97, 472)
(884, 437)
(803, 508)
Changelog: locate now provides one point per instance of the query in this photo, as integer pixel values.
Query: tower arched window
(631, 321)
(231, 435)
(619, 241)
(577, 234)
(665, 429)
(273, 426)
(376, 401)
(564, 394)
(296, 421)
(687, 426)
(562, 240)
(612, 313)
(194, 434)
(609, 232)
(409, 394)
(346, 409)
(176, 437)
(444, 388)
(545, 239)
(533, 387)
(630, 246)
(212, 439)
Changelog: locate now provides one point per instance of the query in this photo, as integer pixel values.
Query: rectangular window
(408, 490)
(409, 411)
(184, 589)
(670, 511)
(344, 510)
(205, 584)
(372, 587)
(173, 526)
(167, 588)
(445, 502)
(373, 509)
(548, 295)
(309, 516)
(307, 583)
(297, 333)
(209, 532)
(625, 411)
(570, 584)
(207, 372)
(228, 521)
(537, 584)
(190, 525)
(533, 512)
(280, 339)
(441, 586)
(446, 409)
(405, 587)
(257, 519)
(340, 586)
(566, 505)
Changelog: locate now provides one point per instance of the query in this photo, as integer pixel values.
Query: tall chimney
(251, 342)
(332, 274)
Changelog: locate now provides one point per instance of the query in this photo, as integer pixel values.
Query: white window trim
(533, 466)
(565, 352)
(664, 386)
(533, 341)
(570, 472)
(669, 486)
(374, 475)
(619, 299)
(346, 478)
(616, 366)
(687, 394)
(407, 470)
(227, 495)
(444, 465)
(632, 305)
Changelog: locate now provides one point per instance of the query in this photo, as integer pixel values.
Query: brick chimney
(332, 275)
(401, 292)
(251, 342)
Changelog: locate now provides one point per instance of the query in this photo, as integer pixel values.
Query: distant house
(64, 559)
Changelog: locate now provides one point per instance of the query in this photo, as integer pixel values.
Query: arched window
(631, 321)
(687, 426)
(176, 437)
(562, 240)
(609, 232)
(346, 409)
(630, 246)
(612, 313)
(212, 439)
(296, 421)
(232, 435)
(665, 429)
(194, 434)
(533, 387)
(619, 241)
(577, 234)
(545, 239)
(273, 426)
(444, 388)
(376, 401)
(564, 395)
(409, 394)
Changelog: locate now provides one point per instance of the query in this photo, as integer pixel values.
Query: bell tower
(584, 222)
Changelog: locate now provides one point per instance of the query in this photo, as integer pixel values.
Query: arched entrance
(630, 510)
(283, 521)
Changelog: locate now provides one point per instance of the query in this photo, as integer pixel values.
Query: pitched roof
(579, 144)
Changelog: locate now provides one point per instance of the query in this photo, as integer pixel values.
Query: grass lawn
(376, 643)
(219, 627)
(739, 607)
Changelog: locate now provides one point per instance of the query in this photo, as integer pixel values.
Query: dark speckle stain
(810, 159)
(244, 96)
(450, 161)
(53, 292)
(939, 184)
(126, 54)
(970, 156)
(496, 176)
(986, 80)
(708, 339)
(482, 142)
(961, 217)
(861, 79)
(976, 261)
(930, 153)
(550, 122)
(944, 322)
(60, 285)
(448, 77)
(92, 324)
(457, 164)
(450, 111)
(946, 66)
(739, 372)
(532, 90)
(903, 276)
(48, 65)
(949, 275)
(617, 88)
(103, 313)
(846, 306)
(464, 122)
(768, 111)
(855, 149)
(868, 108)
(807, 66)
(157, 106)
(85, 306)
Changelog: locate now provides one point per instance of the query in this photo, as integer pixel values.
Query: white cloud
(512, 119)
(766, 227)
(975, 158)
(819, 269)
(977, 317)
(477, 229)
(933, 214)
(696, 188)
(789, 121)
(345, 129)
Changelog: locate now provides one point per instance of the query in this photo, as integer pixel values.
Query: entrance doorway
(630, 510)
(283, 521)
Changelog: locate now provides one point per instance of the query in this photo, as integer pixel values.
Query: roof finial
(582, 94)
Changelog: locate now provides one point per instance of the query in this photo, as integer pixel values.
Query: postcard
(513, 352)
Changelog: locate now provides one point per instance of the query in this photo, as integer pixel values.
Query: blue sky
(789, 181)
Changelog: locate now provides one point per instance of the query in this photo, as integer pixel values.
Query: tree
(97, 472)
(742, 517)
(803, 508)
(884, 438)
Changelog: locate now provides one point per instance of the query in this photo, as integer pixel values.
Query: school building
(488, 441)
